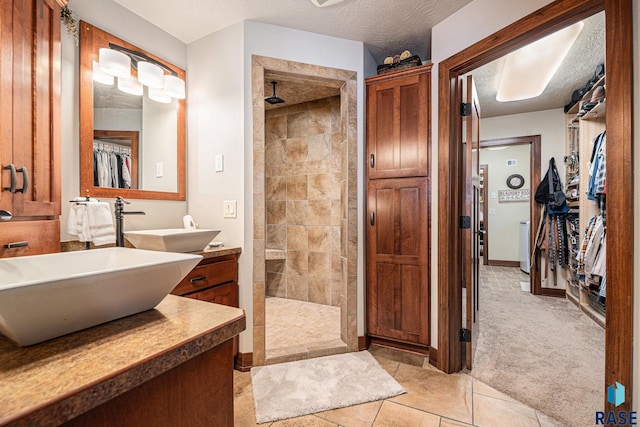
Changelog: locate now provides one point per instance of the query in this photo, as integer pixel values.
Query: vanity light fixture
(150, 75)
(100, 76)
(130, 85)
(114, 63)
(117, 61)
(528, 70)
(158, 95)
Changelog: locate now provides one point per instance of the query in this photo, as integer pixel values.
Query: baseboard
(433, 357)
(244, 362)
(362, 343)
(399, 345)
(500, 263)
(552, 292)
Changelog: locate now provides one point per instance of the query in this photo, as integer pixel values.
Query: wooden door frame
(619, 121)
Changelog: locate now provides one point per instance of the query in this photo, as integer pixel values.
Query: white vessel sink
(45, 296)
(172, 239)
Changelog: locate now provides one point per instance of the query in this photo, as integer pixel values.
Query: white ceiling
(574, 72)
(387, 27)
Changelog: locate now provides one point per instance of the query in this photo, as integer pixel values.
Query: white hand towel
(100, 223)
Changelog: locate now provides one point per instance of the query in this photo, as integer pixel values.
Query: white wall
(220, 122)
(479, 19)
(113, 18)
(636, 207)
(503, 219)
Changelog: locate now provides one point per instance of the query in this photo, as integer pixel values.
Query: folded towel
(100, 223)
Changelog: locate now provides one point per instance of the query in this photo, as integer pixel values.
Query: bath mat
(308, 386)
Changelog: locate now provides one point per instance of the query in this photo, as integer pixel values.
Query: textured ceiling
(387, 27)
(574, 72)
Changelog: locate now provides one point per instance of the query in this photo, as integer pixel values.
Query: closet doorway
(620, 268)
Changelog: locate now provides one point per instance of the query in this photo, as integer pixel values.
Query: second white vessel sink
(172, 239)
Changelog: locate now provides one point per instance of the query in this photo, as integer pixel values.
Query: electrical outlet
(229, 207)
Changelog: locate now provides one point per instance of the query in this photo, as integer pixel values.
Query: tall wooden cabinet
(398, 208)
(30, 126)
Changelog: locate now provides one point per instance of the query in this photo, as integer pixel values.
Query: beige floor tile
(490, 412)
(353, 416)
(395, 415)
(306, 421)
(427, 365)
(445, 422)
(397, 355)
(391, 366)
(546, 421)
(241, 382)
(485, 390)
(441, 394)
(244, 413)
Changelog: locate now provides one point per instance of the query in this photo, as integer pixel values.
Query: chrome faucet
(5, 215)
(120, 212)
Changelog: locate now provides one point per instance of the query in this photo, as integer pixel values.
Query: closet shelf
(597, 112)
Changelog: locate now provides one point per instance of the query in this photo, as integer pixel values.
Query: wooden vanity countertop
(54, 381)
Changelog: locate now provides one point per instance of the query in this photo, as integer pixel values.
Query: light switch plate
(229, 207)
(219, 162)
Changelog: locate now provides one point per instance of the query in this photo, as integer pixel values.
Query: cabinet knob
(372, 160)
(11, 188)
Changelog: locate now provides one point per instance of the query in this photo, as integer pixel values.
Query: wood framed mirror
(146, 138)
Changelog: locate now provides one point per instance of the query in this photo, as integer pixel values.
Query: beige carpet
(308, 386)
(542, 351)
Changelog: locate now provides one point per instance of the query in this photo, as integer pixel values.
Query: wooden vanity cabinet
(213, 280)
(30, 125)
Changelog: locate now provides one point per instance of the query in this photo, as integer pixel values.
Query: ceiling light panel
(528, 70)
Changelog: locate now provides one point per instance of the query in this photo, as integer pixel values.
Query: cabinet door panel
(398, 124)
(36, 124)
(397, 260)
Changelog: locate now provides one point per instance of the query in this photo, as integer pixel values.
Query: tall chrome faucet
(120, 213)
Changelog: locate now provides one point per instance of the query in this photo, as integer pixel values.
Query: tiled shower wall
(305, 191)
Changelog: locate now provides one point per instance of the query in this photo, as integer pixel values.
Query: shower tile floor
(300, 330)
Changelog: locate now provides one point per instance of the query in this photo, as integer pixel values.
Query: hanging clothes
(597, 167)
(111, 166)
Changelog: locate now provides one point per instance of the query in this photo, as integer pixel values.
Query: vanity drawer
(42, 237)
(210, 272)
(223, 294)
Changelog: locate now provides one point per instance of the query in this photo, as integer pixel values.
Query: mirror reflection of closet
(123, 144)
(150, 135)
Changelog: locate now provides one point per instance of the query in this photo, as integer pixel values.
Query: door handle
(372, 160)
(16, 245)
(372, 218)
(25, 180)
(12, 187)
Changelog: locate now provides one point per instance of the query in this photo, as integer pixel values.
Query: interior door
(470, 205)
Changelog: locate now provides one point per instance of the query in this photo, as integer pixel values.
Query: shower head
(273, 99)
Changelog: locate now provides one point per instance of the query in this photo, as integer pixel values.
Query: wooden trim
(552, 292)
(399, 345)
(91, 39)
(619, 122)
(433, 356)
(502, 263)
(362, 343)
(243, 362)
(620, 226)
